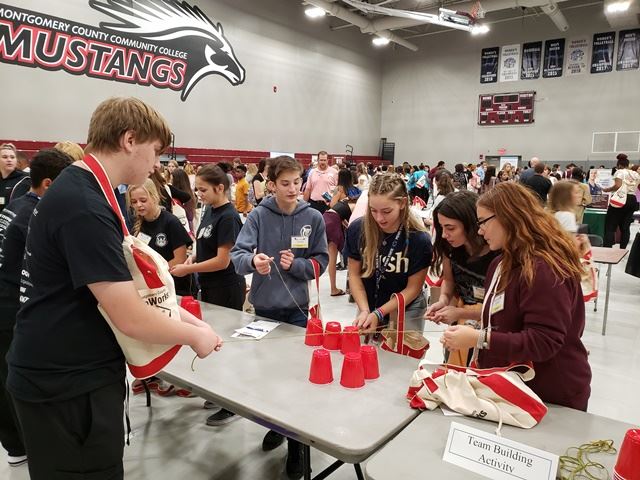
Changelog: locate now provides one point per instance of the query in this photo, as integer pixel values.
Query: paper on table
(258, 329)
(448, 412)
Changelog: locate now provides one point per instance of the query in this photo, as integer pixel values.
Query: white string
(285, 286)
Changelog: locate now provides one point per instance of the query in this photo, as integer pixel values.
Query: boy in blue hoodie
(286, 234)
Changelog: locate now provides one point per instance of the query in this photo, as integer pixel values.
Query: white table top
(267, 382)
(416, 453)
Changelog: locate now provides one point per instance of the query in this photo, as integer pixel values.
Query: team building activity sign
(152, 43)
(575, 56)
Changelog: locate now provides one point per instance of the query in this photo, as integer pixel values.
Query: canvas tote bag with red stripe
(150, 273)
(314, 311)
(497, 394)
(397, 340)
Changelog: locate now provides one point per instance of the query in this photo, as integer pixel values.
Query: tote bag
(496, 394)
(397, 340)
(151, 277)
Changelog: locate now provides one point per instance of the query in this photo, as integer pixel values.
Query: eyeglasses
(481, 223)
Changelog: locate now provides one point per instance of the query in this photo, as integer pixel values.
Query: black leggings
(229, 295)
(620, 218)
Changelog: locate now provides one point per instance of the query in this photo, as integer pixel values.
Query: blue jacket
(268, 230)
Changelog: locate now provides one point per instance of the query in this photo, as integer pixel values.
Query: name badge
(478, 293)
(143, 237)
(497, 304)
(299, 242)
(2, 200)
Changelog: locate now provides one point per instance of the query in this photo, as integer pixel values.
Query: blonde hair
(252, 169)
(531, 233)
(561, 196)
(152, 192)
(115, 116)
(188, 169)
(72, 149)
(392, 185)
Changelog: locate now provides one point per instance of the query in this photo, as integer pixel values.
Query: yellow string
(575, 464)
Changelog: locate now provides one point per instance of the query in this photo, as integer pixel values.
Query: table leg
(147, 392)
(606, 301)
(329, 470)
(306, 458)
(358, 471)
(595, 301)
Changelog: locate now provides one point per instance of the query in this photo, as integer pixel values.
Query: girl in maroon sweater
(535, 310)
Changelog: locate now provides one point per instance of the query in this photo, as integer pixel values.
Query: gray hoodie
(269, 230)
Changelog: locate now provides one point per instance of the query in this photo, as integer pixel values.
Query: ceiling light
(479, 29)
(315, 12)
(618, 7)
(380, 41)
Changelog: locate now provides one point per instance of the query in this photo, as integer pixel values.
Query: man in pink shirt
(321, 180)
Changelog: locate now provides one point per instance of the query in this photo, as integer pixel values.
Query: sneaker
(222, 418)
(272, 440)
(295, 460)
(137, 387)
(17, 461)
(209, 405)
(181, 392)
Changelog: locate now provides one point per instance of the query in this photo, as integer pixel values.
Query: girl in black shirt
(160, 229)
(462, 258)
(217, 233)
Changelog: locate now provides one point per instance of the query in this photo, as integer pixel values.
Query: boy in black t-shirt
(14, 221)
(66, 370)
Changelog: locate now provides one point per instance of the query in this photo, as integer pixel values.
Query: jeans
(292, 316)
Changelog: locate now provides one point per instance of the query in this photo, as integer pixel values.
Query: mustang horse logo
(166, 20)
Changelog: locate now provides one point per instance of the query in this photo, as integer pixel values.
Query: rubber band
(575, 464)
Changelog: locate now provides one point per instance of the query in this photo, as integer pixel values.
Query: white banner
(578, 59)
(510, 63)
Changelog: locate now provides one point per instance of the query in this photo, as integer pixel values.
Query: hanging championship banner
(577, 56)
(531, 56)
(553, 58)
(602, 52)
(510, 63)
(628, 50)
(489, 65)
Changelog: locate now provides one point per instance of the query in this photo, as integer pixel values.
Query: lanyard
(381, 266)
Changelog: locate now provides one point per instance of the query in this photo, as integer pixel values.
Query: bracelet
(378, 313)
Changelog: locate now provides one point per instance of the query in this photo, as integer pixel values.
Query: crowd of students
(64, 374)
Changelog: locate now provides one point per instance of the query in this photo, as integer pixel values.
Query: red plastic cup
(332, 334)
(315, 333)
(350, 340)
(193, 306)
(321, 371)
(352, 371)
(628, 464)
(370, 362)
(186, 299)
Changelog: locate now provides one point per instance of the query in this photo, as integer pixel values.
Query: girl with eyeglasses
(533, 308)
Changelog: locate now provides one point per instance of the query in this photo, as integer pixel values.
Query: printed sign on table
(602, 53)
(496, 457)
(489, 65)
(553, 58)
(510, 63)
(577, 56)
(628, 50)
(531, 57)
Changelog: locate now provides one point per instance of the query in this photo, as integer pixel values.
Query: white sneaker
(17, 461)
